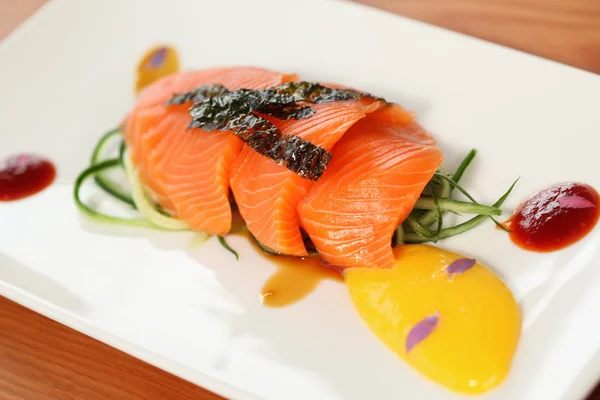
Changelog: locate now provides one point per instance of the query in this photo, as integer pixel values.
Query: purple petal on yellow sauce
(158, 58)
(461, 265)
(422, 330)
(575, 202)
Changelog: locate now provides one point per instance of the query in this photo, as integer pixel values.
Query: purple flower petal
(422, 330)
(461, 265)
(158, 58)
(575, 202)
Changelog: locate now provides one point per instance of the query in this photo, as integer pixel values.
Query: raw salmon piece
(187, 170)
(142, 128)
(267, 194)
(377, 172)
(231, 77)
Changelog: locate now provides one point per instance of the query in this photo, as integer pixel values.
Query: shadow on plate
(348, 350)
(164, 240)
(19, 275)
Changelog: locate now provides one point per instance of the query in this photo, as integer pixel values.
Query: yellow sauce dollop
(471, 348)
(157, 63)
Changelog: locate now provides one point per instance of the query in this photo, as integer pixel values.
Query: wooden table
(41, 359)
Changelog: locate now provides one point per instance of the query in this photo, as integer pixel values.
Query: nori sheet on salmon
(198, 94)
(275, 97)
(216, 108)
(298, 155)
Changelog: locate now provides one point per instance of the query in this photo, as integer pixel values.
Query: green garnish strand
(463, 191)
(446, 190)
(463, 165)
(456, 185)
(431, 216)
(106, 184)
(399, 235)
(418, 228)
(456, 206)
(95, 215)
(440, 213)
(228, 248)
(460, 228)
(122, 149)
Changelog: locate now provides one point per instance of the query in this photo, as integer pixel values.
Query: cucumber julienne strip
(460, 228)
(153, 218)
(445, 204)
(463, 191)
(106, 184)
(431, 216)
(95, 215)
(418, 228)
(122, 149)
(399, 235)
(463, 166)
(143, 204)
(440, 213)
(455, 185)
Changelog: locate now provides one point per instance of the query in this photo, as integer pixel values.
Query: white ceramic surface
(66, 76)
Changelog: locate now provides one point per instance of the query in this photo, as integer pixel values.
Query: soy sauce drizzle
(241, 111)
(295, 277)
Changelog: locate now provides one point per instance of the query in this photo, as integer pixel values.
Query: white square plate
(66, 76)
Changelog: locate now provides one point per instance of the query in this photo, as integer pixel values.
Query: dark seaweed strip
(198, 94)
(282, 95)
(298, 155)
(311, 92)
(288, 111)
(216, 108)
(245, 101)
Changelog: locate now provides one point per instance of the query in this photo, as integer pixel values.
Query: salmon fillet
(267, 194)
(377, 172)
(187, 170)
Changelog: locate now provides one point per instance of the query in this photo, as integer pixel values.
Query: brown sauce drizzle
(295, 278)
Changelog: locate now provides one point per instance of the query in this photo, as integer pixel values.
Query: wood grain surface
(42, 359)
(567, 31)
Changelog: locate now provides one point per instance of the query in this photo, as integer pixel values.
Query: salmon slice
(187, 170)
(267, 194)
(377, 172)
(142, 128)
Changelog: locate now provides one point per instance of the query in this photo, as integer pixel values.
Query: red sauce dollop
(23, 175)
(555, 217)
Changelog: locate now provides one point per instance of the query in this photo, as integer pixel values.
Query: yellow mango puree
(477, 320)
(157, 63)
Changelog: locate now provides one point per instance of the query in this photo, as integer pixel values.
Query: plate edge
(78, 324)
